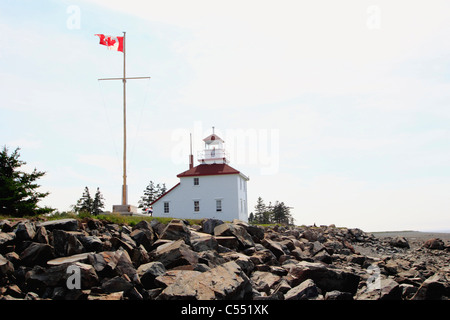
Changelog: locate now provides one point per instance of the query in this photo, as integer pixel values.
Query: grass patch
(115, 218)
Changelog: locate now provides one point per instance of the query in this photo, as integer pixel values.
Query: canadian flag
(113, 43)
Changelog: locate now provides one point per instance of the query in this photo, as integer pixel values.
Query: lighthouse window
(196, 206)
(196, 181)
(219, 205)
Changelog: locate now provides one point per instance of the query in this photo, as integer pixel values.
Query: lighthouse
(212, 189)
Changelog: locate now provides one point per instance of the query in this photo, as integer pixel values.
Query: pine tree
(84, 204)
(260, 208)
(98, 203)
(149, 196)
(281, 214)
(251, 218)
(18, 191)
(160, 190)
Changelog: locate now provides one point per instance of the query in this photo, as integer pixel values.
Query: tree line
(266, 214)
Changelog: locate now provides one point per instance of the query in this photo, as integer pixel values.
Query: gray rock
(227, 229)
(176, 254)
(116, 284)
(433, 288)
(233, 284)
(390, 290)
(38, 279)
(149, 272)
(63, 224)
(338, 295)
(41, 235)
(91, 243)
(264, 281)
(82, 257)
(104, 262)
(6, 267)
(208, 225)
(25, 231)
(144, 237)
(203, 241)
(6, 238)
(399, 242)
(175, 230)
(37, 254)
(275, 247)
(435, 243)
(327, 279)
(305, 290)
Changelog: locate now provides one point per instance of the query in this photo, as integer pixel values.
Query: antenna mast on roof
(191, 156)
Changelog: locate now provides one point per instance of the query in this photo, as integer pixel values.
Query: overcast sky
(341, 109)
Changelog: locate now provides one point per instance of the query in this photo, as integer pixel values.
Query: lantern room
(214, 151)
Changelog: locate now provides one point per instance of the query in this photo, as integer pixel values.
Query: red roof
(209, 170)
(165, 193)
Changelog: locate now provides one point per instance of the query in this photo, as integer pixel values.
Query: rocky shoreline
(91, 259)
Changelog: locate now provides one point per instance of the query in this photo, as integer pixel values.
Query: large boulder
(325, 278)
(25, 230)
(433, 288)
(435, 243)
(82, 257)
(175, 230)
(275, 247)
(149, 272)
(227, 281)
(6, 238)
(264, 281)
(144, 237)
(228, 229)
(175, 254)
(6, 267)
(305, 290)
(399, 242)
(63, 224)
(203, 241)
(37, 254)
(208, 225)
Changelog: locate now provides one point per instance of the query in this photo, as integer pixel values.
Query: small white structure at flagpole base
(212, 189)
(126, 210)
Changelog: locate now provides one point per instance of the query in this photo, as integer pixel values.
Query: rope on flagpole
(138, 128)
(108, 122)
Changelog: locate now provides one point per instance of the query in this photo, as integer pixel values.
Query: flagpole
(104, 40)
(124, 187)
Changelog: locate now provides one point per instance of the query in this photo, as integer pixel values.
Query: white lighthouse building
(213, 189)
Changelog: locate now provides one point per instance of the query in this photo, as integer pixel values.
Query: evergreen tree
(149, 196)
(89, 205)
(85, 203)
(160, 190)
(151, 193)
(265, 214)
(18, 190)
(281, 213)
(97, 204)
(260, 208)
(251, 218)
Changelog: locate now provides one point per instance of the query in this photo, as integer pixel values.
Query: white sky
(341, 109)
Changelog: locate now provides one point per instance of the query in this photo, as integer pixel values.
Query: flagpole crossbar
(129, 78)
